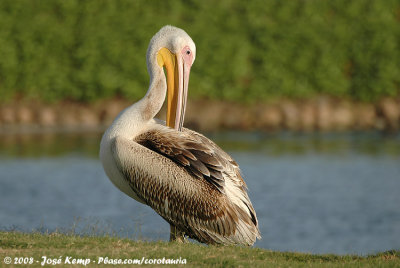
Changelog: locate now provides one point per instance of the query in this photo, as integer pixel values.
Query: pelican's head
(174, 50)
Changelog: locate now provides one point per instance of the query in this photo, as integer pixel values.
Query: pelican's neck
(136, 116)
(152, 102)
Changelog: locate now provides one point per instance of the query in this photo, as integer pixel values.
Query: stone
(342, 116)
(24, 115)
(205, 115)
(307, 117)
(268, 117)
(365, 116)
(110, 109)
(88, 118)
(290, 114)
(390, 110)
(47, 117)
(324, 114)
(68, 117)
(7, 115)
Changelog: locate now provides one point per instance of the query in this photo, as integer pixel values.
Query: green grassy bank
(246, 51)
(58, 246)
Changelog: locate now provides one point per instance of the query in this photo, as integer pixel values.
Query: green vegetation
(15, 245)
(247, 51)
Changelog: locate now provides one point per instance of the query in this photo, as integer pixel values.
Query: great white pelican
(185, 177)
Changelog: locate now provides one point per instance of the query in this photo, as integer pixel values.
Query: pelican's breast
(108, 161)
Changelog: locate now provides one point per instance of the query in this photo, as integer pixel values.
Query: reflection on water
(336, 193)
(370, 143)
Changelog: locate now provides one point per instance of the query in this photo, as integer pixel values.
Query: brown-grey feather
(194, 156)
(208, 216)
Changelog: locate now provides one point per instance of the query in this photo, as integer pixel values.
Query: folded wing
(190, 182)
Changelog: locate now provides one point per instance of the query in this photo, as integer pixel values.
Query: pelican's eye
(187, 55)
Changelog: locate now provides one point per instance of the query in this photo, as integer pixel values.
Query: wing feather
(210, 204)
(197, 158)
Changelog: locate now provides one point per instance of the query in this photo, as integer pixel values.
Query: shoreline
(317, 114)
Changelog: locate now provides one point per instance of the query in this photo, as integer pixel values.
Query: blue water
(311, 194)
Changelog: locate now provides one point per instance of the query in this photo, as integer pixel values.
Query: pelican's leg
(176, 235)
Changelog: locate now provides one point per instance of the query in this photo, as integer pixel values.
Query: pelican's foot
(176, 235)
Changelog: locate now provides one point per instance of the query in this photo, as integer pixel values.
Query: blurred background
(305, 95)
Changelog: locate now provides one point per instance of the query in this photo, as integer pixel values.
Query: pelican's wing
(229, 164)
(235, 185)
(184, 181)
(185, 150)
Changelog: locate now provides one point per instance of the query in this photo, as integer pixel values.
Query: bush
(246, 51)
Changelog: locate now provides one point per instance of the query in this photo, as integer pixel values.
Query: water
(324, 193)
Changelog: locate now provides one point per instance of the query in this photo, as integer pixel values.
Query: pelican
(185, 177)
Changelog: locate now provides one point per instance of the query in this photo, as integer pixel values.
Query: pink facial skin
(187, 55)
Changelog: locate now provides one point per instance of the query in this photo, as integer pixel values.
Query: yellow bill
(176, 87)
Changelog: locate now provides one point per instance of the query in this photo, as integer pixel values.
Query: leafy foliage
(246, 51)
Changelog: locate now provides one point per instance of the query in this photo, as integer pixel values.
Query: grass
(56, 245)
